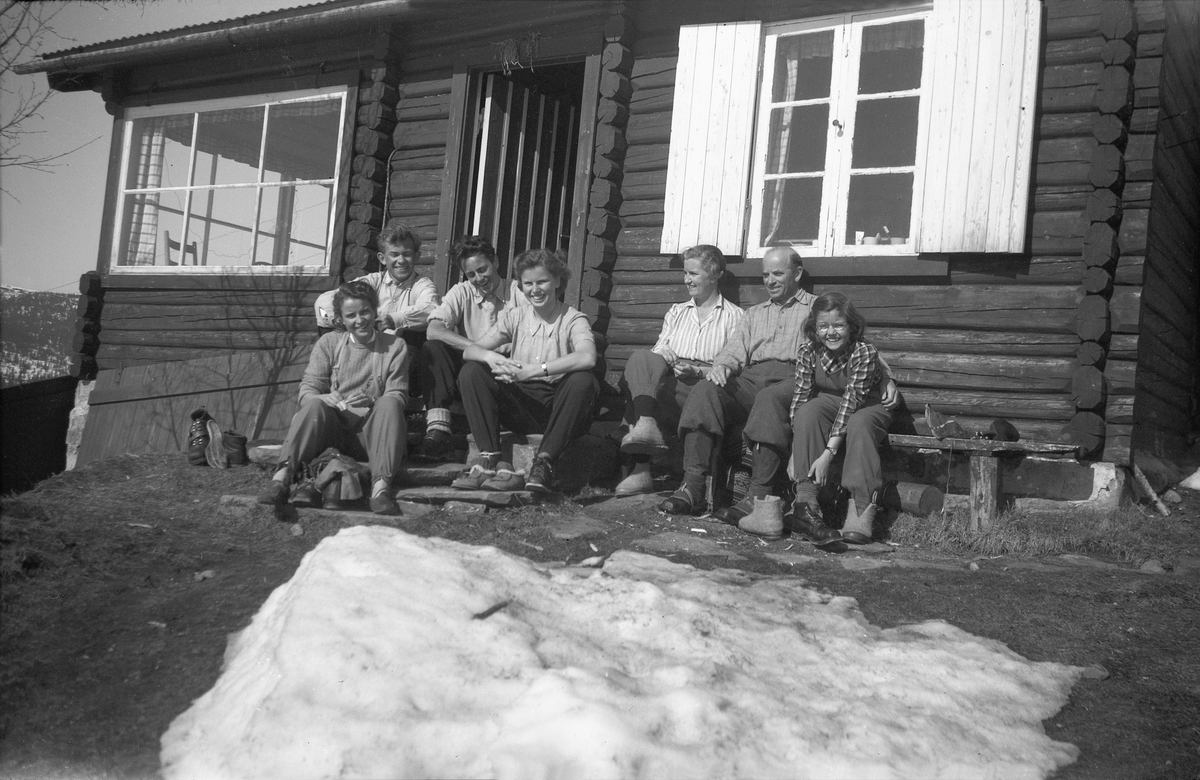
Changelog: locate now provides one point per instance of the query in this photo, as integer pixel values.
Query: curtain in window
(890, 37)
(147, 169)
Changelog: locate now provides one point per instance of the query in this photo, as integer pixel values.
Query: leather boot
(857, 528)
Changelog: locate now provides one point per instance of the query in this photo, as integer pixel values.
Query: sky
(50, 220)
(389, 655)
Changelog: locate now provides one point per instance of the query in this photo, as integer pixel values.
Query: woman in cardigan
(352, 397)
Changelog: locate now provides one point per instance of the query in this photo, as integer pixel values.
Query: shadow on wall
(35, 420)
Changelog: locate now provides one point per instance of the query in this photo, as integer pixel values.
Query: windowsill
(858, 266)
(228, 270)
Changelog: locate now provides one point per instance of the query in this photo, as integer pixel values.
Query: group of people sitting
(795, 372)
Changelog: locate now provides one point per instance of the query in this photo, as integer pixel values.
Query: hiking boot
(765, 520)
(733, 514)
(384, 504)
(506, 478)
(198, 438)
(857, 528)
(235, 448)
(806, 523)
(541, 476)
(274, 494)
(436, 444)
(307, 495)
(687, 500)
(482, 468)
(644, 438)
(639, 480)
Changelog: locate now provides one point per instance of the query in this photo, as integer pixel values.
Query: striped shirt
(770, 331)
(408, 303)
(690, 339)
(859, 367)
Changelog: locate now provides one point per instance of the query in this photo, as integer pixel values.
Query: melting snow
(391, 656)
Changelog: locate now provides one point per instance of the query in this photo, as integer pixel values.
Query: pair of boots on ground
(761, 515)
(487, 472)
(208, 445)
(337, 483)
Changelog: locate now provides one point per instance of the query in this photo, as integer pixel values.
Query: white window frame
(195, 107)
(835, 189)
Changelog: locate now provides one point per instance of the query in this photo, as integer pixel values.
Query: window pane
(221, 225)
(267, 250)
(803, 66)
(159, 152)
(311, 206)
(885, 133)
(797, 141)
(879, 205)
(302, 139)
(228, 143)
(891, 57)
(150, 220)
(791, 211)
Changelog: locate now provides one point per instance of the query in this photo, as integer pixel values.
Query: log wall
(1164, 156)
(1048, 339)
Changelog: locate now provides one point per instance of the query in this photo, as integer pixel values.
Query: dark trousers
(561, 412)
(711, 410)
(418, 378)
(862, 473)
(647, 375)
(440, 365)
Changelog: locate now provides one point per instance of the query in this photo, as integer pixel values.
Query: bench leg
(985, 491)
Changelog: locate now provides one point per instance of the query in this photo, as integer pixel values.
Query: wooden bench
(985, 466)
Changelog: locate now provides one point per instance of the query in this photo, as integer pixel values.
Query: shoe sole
(765, 537)
(642, 448)
(214, 453)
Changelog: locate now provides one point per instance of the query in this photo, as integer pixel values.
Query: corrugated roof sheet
(204, 27)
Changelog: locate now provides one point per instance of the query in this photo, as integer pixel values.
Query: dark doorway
(519, 172)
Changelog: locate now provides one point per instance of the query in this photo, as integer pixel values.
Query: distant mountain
(36, 329)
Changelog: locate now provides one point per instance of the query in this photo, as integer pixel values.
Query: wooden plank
(451, 177)
(689, 137)
(583, 176)
(980, 445)
(734, 161)
(984, 217)
(982, 372)
(437, 495)
(985, 492)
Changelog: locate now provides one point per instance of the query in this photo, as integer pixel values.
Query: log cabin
(1010, 189)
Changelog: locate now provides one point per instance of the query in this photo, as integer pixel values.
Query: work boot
(541, 476)
(687, 500)
(481, 469)
(436, 444)
(506, 478)
(198, 438)
(765, 520)
(307, 495)
(644, 438)
(857, 528)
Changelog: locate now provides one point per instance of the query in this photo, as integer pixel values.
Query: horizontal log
(1009, 269)
(251, 299)
(378, 92)
(647, 100)
(1111, 129)
(432, 158)
(1082, 74)
(85, 343)
(186, 340)
(1067, 100)
(610, 112)
(428, 88)
(641, 213)
(1123, 346)
(1144, 120)
(85, 325)
(365, 212)
(369, 167)
(1097, 281)
(1104, 206)
(649, 128)
(1062, 197)
(617, 57)
(83, 367)
(1072, 19)
(1072, 52)
(981, 372)
(417, 135)
(1118, 22)
(1117, 52)
(1133, 236)
(411, 184)
(89, 307)
(646, 157)
(654, 72)
(1100, 249)
(361, 234)
(1091, 353)
(1067, 173)
(1108, 167)
(984, 403)
(1072, 149)
(1086, 430)
(91, 284)
(377, 116)
(1136, 194)
(1114, 93)
(1119, 410)
(417, 206)
(420, 108)
(1059, 125)
(1139, 158)
(162, 315)
(1117, 444)
(363, 190)
(1120, 376)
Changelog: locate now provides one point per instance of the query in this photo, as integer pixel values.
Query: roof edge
(232, 34)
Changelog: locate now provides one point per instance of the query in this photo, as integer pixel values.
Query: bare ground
(109, 633)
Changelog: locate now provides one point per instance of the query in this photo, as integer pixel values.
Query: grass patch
(1130, 535)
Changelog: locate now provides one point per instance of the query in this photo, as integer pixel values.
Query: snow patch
(388, 655)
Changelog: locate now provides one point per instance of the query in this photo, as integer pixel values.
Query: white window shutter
(983, 101)
(712, 124)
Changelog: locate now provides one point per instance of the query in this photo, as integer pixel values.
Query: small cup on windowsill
(896, 240)
(874, 240)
